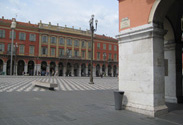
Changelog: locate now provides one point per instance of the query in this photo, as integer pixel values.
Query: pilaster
(141, 69)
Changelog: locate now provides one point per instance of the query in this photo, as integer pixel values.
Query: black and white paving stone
(19, 84)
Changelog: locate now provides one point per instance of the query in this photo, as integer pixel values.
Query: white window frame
(31, 49)
(1, 47)
(32, 37)
(22, 36)
(2, 33)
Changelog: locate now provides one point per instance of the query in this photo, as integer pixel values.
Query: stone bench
(50, 86)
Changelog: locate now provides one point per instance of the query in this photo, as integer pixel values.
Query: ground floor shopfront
(60, 67)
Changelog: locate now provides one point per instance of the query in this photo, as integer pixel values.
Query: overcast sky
(75, 13)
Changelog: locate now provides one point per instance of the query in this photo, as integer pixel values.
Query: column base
(149, 111)
(91, 82)
(170, 99)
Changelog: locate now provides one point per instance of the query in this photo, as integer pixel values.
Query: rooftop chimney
(2, 17)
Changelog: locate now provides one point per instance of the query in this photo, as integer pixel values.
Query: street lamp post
(92, 29)
(13, 26)
(15, 62)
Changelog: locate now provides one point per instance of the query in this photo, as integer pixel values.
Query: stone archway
(1, 67)
(143, 61)
(83, 69)
(69, 69)
(8, 68)
(61, 69)
(52, 68)
(97, 70)
(76, 69)
(114, 71)
(43, 68)
(89, 69)
(169, 15)
(20, 67)
(109, 70)
(31, 68)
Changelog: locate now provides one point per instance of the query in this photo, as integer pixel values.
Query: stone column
(56, 67)
(4, 68)
(16, 68)
(35, 69)
(170, 73)
(86, 70)
(106, 70)
(100, 69)
(48, 68)
(141, 69)
(72, 70)
(64, 71)
(94, 71)
(38, 67)
(79, 71)
(112, 71)
(25, 68)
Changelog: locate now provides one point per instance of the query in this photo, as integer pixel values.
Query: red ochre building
(46, 48)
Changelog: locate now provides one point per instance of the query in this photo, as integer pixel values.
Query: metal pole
(91, 74)
(11, 65)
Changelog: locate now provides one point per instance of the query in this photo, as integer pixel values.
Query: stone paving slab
(92, 107)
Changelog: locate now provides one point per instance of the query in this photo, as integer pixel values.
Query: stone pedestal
(141, 69)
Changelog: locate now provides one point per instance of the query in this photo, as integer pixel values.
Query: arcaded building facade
(44, 49)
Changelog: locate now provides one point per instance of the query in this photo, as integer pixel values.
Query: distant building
(45, 49)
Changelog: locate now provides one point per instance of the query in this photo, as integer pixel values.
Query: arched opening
(20, 68)
(169, 15)
(69, 69)
(109, 70)
(1, 67)
(76, 69)
(52, 68)
(83, 70)
(114, 71)
(8, 68)
(31, 68)
(60, 68)
(89, 69)
(103, 70)
(150, 62)
(98, 70)
(43, 68)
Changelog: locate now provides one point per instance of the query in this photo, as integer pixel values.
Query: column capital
(141, 32)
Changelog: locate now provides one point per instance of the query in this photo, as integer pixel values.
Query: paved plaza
(24, 84)
(74, 102)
